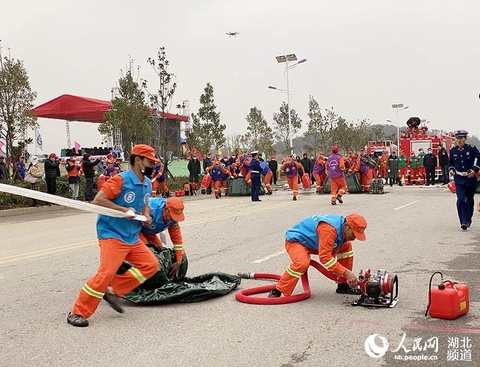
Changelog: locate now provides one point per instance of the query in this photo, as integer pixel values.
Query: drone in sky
(234, 34)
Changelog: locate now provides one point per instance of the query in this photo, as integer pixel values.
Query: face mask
(147, 171)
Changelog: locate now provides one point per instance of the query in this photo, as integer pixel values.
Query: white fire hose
(92, 208)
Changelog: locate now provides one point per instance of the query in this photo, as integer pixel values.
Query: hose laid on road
(245, 294)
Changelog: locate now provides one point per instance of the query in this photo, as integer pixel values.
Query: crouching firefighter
(330, 237)
(166, 215)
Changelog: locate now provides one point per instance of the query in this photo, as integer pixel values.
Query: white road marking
(404, 206)
(269, 257)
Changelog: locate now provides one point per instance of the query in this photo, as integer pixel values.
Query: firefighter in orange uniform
(159, 178)
(330, 237)
(365, 172)
(217, 172)
(350, 161)
(382, 167)
(166, 213)
(319, 173)
(118, 238)
(291, 167)
(335, 168)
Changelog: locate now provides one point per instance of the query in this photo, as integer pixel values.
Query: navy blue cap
(461, 133)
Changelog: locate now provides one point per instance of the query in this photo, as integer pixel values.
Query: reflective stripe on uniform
(92, 292)
(294, 273)
(330, 263)
(178, 247)
(137, 274)
(344, 255)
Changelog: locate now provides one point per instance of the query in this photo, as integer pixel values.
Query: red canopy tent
(74, 108)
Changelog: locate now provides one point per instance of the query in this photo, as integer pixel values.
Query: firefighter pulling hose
(328, 236)
(377, 290)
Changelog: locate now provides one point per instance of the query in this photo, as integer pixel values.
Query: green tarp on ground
(238, 187)
(162, 289)
(352, 184)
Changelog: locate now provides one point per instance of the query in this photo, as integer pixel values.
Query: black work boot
(77, 320)
(112, 299)
(274, 293)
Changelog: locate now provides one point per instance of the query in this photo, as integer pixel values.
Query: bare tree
(284, 130)
(161, 101)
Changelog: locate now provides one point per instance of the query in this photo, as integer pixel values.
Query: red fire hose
(244, 295)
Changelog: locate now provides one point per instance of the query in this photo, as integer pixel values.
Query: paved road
(413, 231)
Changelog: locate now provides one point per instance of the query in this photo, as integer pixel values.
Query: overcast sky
(362, 56)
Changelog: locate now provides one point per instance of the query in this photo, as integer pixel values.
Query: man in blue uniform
(464, 165)
(256, 178)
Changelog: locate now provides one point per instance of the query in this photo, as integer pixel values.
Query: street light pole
(288, 110)
(398, 107)
(286, 59)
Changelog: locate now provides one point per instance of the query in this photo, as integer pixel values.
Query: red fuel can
(450, 302)
(306, 181)
(206, 180)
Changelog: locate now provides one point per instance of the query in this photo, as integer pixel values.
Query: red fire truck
(413, 142)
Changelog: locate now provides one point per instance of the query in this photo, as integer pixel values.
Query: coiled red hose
(244, 295)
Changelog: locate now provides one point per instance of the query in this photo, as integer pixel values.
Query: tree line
(138, 114)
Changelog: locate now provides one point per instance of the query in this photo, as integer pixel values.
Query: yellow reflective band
(178, 247)
(294, 273)
(92, 292)
(137, 274)
(295, 191)
(330, 263)
(344, 255)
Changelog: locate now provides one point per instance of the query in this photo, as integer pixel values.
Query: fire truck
(412, 141)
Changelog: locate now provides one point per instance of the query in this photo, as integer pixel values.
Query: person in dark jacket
(4, 175)
(443, 159)
(430, 163)
(194, 171)
(52, 171)
(300, 170)
(307, 165)
(273, 165)
(88, 165)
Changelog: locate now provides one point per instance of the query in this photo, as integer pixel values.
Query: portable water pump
(378, 290)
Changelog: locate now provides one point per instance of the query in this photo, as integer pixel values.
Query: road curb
(30, 210)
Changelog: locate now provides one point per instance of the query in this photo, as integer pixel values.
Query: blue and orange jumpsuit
(159, 224)
(335, 167)
(159, 178)
(217, 172)
(119, 240)
(318, 234)
(291, 168)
